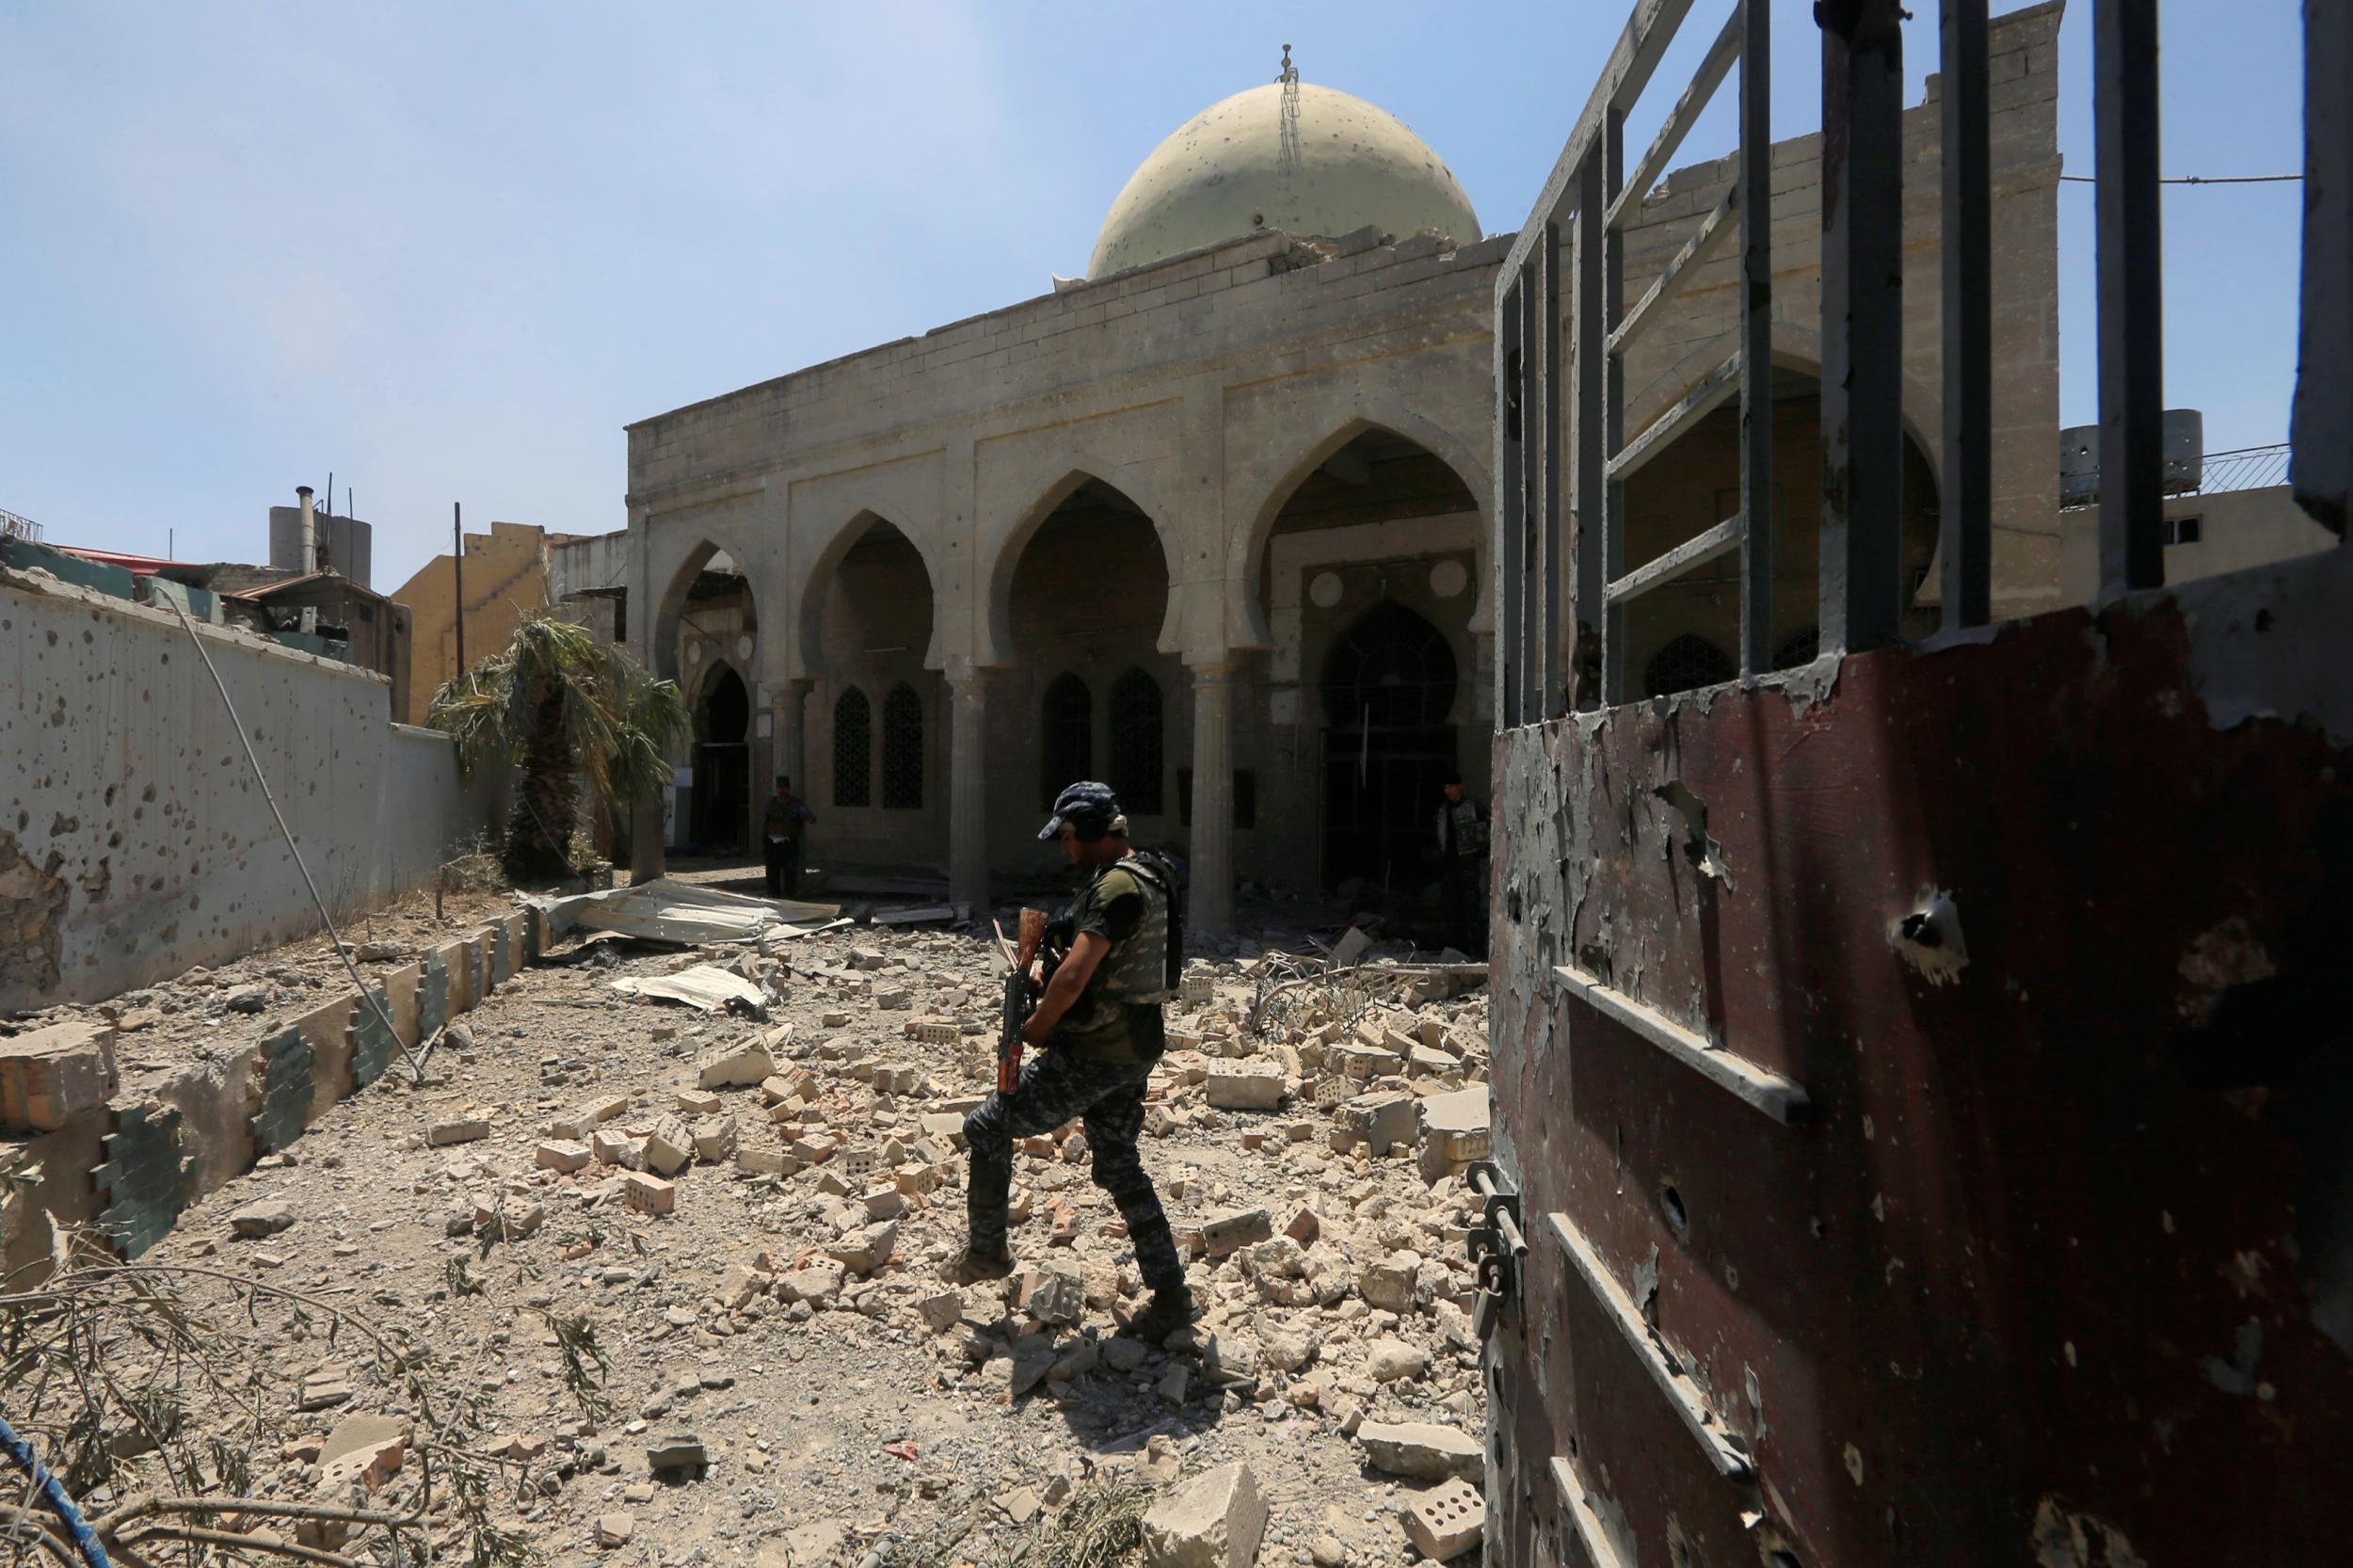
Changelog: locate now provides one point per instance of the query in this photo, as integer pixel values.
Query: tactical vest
(1144, 971)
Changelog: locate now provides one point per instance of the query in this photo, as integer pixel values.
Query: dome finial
(1288, 75)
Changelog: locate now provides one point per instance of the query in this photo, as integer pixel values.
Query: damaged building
(1212, 522)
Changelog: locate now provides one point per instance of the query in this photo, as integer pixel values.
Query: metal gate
(1924, 1077)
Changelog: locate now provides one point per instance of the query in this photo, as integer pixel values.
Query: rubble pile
(750, 1216)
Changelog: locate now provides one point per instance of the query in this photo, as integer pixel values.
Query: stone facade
(1215, 528)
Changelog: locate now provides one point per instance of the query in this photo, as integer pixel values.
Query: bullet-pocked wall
(134, 841)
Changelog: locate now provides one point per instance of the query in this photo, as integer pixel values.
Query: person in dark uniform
(1098, 1022)
(780, 829)
(1462, 868)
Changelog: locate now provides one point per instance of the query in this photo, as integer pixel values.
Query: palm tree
(563, 707)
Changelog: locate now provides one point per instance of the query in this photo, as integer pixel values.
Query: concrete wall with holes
(124, 1147)
(134, 842)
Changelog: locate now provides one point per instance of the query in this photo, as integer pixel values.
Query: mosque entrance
(723, 767)
(1388, 686)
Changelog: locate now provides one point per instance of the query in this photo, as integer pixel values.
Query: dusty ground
(852, 1414)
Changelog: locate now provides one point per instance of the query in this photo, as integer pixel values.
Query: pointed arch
(1073, 471)
(825, 569)
(679, 581)
(1248, 544)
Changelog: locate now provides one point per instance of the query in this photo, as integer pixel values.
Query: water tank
(2184, 443)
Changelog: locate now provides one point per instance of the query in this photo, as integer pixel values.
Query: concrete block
(763, 1160)
(1055, 1296)
(1381, 1119)
(1234, 1088)
(669, 1148)
(458, 1129)
(1388, 1283)
(1230, 1232)
(699, 1102)
(649, 1194)
(582, 1120)
(1446, 1521)
(558, 1154)
(367, 1449)
(51, 1075)
(714, 1138)
(1424, 1450)
(736, 1067)
(1214, 1520)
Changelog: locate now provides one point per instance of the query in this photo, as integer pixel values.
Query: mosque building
(1212, 523)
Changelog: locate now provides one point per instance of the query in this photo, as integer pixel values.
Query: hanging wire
(366, 995)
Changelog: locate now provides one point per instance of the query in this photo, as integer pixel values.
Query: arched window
(1391, 671)
(903, 748)
(1799, 648)
(1135, 760)
(1066, 737)
(1685, 662)
(853, 750)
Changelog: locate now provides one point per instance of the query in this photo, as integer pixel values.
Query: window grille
(1685, 662)
(903, 749)
(853, 753)
(1136, 744)
(1066, 731)
(1799, 648)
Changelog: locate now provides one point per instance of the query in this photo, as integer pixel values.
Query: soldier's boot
(1165, 1314)
(971, 1265)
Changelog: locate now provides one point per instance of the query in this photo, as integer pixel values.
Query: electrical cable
(53, 1492)
(2196, 178)
(415, 1065)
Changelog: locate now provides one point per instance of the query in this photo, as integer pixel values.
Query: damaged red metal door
(1924, 1082)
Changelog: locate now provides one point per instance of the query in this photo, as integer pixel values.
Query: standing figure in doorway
(1462, 868)
(1099, 1020)
(782, 829)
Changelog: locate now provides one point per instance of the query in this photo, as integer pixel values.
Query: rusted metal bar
(1649, 29)
(1783, 1098)
(1696, 405)
(1512, 565)
(1586, 599)
(1584, 1516)
(1691, 553)
(1707, 1430)
(2130, 245)
(1609, 157)
(1714, 227)
(1714, 65)
(1755, 185)
(2322, 466)
(1862, 322)
(1966, 518)
(1549, 432)
(1533, 631)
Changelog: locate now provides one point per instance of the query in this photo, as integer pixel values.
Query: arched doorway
(723, 768)
(1388, 697)
(1088, 694)
(1370, 577)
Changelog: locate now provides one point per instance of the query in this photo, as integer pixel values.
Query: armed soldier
(1098, 1022)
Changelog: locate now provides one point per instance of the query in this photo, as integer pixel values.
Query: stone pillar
(792, 750)
(645, 817)
(1211, 906)
(968, 800)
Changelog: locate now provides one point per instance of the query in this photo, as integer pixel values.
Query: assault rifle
(1020, 998)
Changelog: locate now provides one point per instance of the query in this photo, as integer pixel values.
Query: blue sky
(448, 252)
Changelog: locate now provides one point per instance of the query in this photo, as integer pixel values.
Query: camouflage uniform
(1055, 1086)
(1096, 1067)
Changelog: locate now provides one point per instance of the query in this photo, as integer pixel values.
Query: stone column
(967, 801)
(792, 750)
(1211, 906)
(645, 817)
